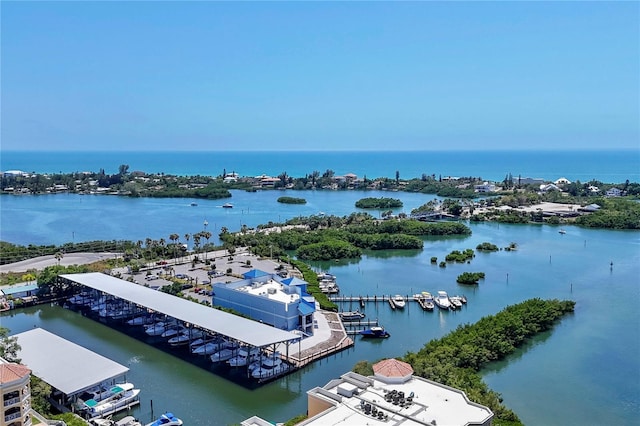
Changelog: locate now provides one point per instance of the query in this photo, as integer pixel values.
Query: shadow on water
(497, 366)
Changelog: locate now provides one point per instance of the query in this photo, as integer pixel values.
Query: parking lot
(198, 276)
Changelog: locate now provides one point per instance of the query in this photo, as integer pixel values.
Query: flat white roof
(63, 364)
(433, 403)
(242, 329)
(263, 290)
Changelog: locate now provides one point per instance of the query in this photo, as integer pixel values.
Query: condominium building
(16, 394)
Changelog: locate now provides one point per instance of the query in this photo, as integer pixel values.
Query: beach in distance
(608, 166)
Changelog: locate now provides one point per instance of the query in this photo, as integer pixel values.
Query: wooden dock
(367, 298)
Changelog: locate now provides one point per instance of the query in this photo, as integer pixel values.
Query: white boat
(398, 301)
(141, 320)
(156, 329)
(456, 301)
(102, 392)
(245, 356)
(442, 300)
(173, 331)
(185, 337)
(222, 355)
(167, 419)
(562, 231)
(121, 399)
(351, 315)
(227, 206)
(125, 421)
(212, 347)
(270, 366)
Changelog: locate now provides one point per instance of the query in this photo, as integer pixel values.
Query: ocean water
(607, 166)
(585, 371)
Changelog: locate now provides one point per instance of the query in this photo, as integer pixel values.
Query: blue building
(268, 298)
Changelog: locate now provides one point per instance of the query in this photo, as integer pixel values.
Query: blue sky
(319, 75)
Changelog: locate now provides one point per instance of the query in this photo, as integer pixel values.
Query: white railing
(12, 401)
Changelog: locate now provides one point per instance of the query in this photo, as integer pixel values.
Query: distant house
(562, 181)
(484, 187)
(549, 187)
(593, 189)
(590, 208)
(614, 192)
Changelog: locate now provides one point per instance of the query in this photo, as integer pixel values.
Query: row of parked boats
(260, 364)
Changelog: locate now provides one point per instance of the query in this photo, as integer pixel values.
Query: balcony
(11, 401)
(13, 416)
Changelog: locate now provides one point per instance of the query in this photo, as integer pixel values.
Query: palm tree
(186, 237)
(174, 238)
(59, 255)
(196, 242)
(206, 235)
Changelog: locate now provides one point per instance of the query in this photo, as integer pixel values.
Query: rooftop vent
(347, 390)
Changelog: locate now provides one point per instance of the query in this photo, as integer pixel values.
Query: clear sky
(319, 75)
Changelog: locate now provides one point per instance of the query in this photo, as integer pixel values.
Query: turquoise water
(586, 371)
(605, 166)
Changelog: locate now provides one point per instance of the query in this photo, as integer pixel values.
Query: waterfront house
(16, 394)
(281, 302)
(614, 192)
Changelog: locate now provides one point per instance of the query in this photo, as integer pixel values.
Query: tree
(9, 346)
(123, 169)
(397, 177)
(174, 239)
(59, 255)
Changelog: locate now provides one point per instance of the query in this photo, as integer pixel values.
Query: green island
(291, 200)
(460, 256)
(486, 246)
(470, 278)
(457, 358)
(378, 203)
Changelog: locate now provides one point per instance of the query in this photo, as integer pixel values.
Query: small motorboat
(351, 315)
(399, 301)
(375, 332)
(227, 206)
(167, 419)
(562, 231)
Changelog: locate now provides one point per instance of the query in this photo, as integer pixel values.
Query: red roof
(392, 368)
(12, 372)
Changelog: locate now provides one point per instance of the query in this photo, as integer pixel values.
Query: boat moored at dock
(377, 332)
(442, 300)
(167, 419)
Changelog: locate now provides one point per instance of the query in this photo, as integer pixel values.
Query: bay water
(584, 371)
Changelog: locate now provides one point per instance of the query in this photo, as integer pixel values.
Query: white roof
(433, 403)
(63, 364)
(242, 329)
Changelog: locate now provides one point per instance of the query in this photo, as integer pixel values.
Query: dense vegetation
(613, 214)
(326, 238)
(292, 200)
(313, 288)
(487, 247)
(378, 203)
(460, 256)
(456, 359)
(470, 277)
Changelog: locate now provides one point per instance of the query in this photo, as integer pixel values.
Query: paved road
(42, 262)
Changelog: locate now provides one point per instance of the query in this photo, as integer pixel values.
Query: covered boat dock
(69, 368)
(241, 329)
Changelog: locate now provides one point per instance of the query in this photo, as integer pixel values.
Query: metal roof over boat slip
(66, 366)
(238, 328)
